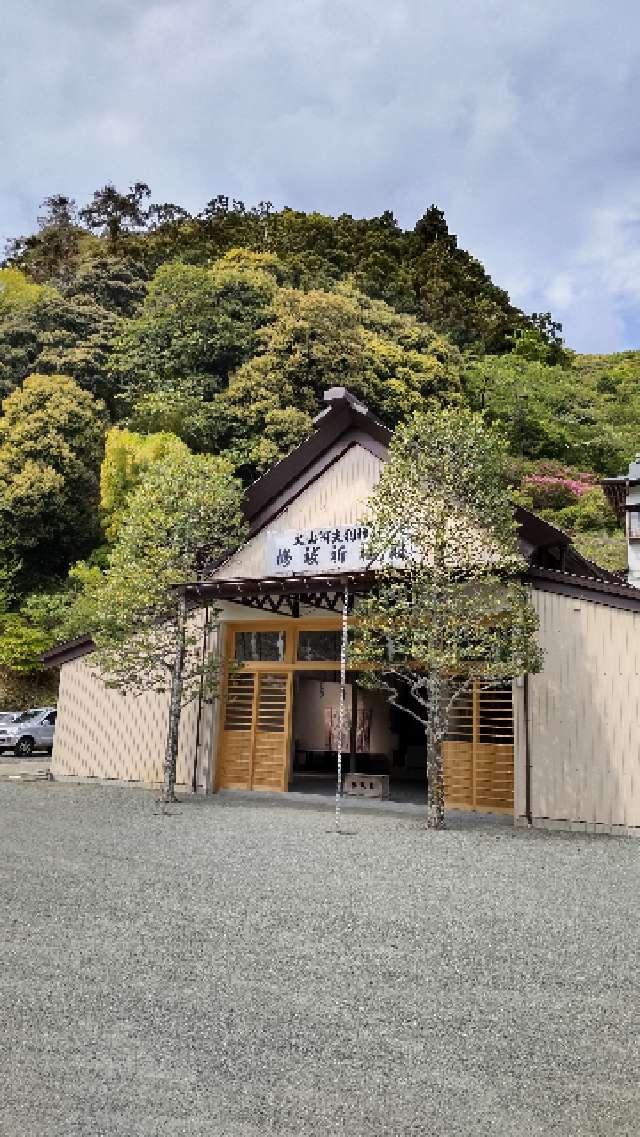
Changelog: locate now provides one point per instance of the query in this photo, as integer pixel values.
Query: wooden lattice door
(479, 754)
(254, 747)
(271, 736)
(236, 742)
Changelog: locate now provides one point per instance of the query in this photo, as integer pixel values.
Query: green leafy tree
(127, 457)
(136, 611)
(18, 293)
(30, 629)
(21, 644)
(541, 341)
(114, 214)
(455, 293)
(320, 339)
(117, 284)
(58, 335)
(448, 605)
(562, 413)
(195, 327)
(51, 254)
(51, 444)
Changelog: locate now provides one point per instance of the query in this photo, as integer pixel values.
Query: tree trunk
(175, 705)
(435, 771)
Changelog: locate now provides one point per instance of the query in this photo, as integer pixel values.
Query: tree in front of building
(136, 610)
(448, 606)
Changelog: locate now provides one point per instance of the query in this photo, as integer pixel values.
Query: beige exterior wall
(102, 734)
(337, 497)
(105, 735)
(584, 717)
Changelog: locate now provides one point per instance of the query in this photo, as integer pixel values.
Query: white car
(30, 730)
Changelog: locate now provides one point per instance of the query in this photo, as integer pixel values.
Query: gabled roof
(344, 422)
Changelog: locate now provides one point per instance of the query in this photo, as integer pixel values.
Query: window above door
(318, 646)
(260, 647)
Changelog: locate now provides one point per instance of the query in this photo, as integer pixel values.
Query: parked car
(30, 730)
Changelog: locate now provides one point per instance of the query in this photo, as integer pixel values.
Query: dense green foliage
(51, 445)
(218, 333)
(127, 457)
(585, 413)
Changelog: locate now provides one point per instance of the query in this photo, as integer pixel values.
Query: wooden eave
(68, 651)
(244, 589)
(614, 594)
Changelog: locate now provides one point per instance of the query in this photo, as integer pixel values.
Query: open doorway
(378, 739)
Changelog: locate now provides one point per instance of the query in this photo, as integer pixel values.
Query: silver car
(30, 730)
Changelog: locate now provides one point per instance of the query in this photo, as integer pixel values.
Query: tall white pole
(343, 699)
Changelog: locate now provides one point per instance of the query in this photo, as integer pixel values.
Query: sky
(520, 120)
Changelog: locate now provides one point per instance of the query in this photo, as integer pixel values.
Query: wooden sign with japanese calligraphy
(311, 551)
(316, 552)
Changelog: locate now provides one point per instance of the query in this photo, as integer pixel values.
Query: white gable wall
(337, 497)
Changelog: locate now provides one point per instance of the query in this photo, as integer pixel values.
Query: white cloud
(561, 291)
(612, 249)
(515, 116)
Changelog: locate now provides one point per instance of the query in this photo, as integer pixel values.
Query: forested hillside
(131, 330)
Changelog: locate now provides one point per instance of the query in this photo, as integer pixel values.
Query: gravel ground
(241, 970)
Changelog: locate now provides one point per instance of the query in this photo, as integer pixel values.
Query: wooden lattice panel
(234, 760)
(493, 776)
(270, 745)
(478, 755)
(239, 705)
(458, 773)
(255, 736)
(269, 763)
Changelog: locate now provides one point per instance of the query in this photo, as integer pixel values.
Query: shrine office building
(560, 749)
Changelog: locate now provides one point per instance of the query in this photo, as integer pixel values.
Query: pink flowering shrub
(556, 490)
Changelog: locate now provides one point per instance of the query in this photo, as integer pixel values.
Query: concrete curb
(16, 775)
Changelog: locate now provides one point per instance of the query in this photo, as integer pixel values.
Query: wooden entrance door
(254, 749)
(478, 754)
